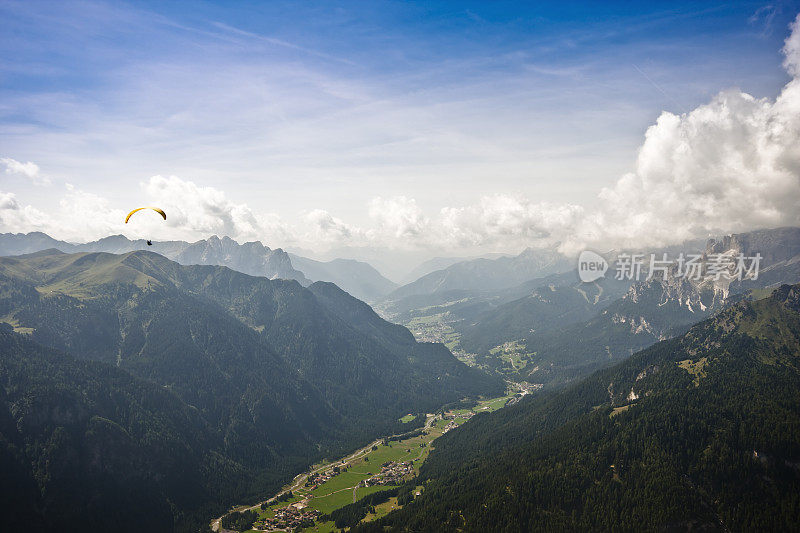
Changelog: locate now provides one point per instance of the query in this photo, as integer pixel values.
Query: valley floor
(433, 324)
(382, 464)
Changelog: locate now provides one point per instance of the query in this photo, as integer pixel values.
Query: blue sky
(325, 113)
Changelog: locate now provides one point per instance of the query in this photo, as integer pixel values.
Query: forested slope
(699, 432)
(275, 375)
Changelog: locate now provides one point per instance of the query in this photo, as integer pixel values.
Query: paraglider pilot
(156, 209)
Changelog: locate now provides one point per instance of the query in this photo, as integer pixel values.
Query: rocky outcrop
(250, 258)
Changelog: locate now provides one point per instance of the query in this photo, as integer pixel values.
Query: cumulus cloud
(398, 217)
(201, 211)
(16, 218)
(791, 50)
(8, 202)
(29, 170)
(193, 212)
(503, 218)
(80, 216)
(84, 216)
(730, 165)
(322, 228)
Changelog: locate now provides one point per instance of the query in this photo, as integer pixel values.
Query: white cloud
(84, 216)
(8, 202)
(791, 50)
(398, 217)
(501, 219)
(730, 165)
(29, 170)
(80, 216)
(16, 218)
(323, 229)
(194, 211)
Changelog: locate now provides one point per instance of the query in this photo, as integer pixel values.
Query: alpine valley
(399, 267)
(142, 392)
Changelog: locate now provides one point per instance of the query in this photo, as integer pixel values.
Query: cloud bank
(732, 164)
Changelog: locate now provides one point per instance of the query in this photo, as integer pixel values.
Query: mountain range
(654, 309)
(447, 299)
(356, 277)
(555, 329)
(259, 378)
(251, 257)
(440, 263)
(487, 274)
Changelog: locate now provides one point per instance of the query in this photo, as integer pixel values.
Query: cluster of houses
(527, 388)
(452, 418)
(392, 473)
(292, 516)
(318, 479)
(450, 415)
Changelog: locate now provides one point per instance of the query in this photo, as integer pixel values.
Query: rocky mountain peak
(774, 245)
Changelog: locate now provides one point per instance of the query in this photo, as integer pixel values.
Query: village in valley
(385, 464)
(391, 473)
(290, 517)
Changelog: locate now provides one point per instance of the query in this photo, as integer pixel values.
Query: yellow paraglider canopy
(157, 210)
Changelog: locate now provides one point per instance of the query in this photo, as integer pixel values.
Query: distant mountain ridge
(251, 258)
(440, 263)
(648, 311)
(358, 278)
(554, 329)
(488, 274)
